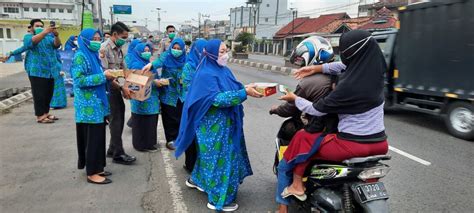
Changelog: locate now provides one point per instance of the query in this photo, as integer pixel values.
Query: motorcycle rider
(357, 100)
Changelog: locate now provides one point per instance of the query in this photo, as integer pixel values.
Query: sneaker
(229, 208)
(192, 185)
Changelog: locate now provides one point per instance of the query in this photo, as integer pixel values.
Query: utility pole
(111, 16)
(276, 15)
(99, 8)
(199, 25)
(159, 18)
(293, 10)
(146, 22)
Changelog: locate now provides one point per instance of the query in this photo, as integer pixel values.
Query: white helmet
(312, 50)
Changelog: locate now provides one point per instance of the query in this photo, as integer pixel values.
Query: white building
(270, 16)
(15, 16)
(64, 11)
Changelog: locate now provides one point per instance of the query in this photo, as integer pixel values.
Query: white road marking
(410, 156)
(175, 189)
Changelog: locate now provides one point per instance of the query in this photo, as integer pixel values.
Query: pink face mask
(223, 60)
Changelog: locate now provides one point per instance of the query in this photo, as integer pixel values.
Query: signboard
(122, 9)
(87, 20)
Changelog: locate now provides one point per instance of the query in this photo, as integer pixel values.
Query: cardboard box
(139, 83)
(266, 89)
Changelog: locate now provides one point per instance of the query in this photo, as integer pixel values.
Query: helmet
(312, 50)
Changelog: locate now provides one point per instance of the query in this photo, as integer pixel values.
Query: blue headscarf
(132, 45)
(210, 80)
(70, 43)
(171, 61)
(84, 40)
(130, 49)
(136, 61)
(195, 53)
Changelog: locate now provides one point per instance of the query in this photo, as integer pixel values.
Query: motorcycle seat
(368, 159)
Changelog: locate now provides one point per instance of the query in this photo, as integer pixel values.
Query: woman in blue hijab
(59, 99)
(189, 69)
(144, 113)
(71, 43)
(213, 113)
(130, 50)
(172, 62)
(91, 106)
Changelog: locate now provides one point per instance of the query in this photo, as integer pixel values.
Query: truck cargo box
(435, 49)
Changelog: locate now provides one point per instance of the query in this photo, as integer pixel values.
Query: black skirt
(144, 131)
(91, 147)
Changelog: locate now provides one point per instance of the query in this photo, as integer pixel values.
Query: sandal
(287, 193)
(52, 117)
(45, 120)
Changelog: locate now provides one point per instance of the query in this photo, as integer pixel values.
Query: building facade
(269, 16)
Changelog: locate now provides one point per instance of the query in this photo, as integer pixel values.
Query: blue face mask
(176, 53)
(146, 55)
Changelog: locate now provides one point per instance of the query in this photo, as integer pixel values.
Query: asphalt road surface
(431, 170)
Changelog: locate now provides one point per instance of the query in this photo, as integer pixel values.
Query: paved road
(37, 166)
(267, 59)
(13, 76)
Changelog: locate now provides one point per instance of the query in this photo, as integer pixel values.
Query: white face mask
(223, 59)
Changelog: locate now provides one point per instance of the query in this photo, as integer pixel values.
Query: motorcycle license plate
(371, 191)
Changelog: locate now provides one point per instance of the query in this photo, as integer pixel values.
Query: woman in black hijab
(357, 100)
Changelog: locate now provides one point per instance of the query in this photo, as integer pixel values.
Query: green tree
(245, 38)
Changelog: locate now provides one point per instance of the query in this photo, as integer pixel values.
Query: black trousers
(144, 131)
(117, 120)
(42, 90)
(91, 147)
(191, 156)
(171, 117)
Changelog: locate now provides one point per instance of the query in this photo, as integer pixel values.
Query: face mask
(176, 53)
(146, 55)
(38, 30)
(346, 59)
(75, 43)
(171, 35)
(94, 46)
(120, 42)
(223, 60)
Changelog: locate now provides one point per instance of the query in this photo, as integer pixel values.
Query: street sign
(122, 9)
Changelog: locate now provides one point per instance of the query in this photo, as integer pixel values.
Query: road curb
(266, 67)
(15, 100)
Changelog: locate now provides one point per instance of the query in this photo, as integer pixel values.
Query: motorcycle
(352, 185)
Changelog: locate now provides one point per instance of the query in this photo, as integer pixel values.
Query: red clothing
(332, 148)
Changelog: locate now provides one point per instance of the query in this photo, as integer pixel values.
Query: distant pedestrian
(165, 42)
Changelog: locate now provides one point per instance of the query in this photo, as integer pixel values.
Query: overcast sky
(177, 12)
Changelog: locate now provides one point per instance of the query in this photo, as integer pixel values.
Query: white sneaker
(229, 208)
(192, 185)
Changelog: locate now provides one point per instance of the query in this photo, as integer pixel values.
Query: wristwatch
(121, 81)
